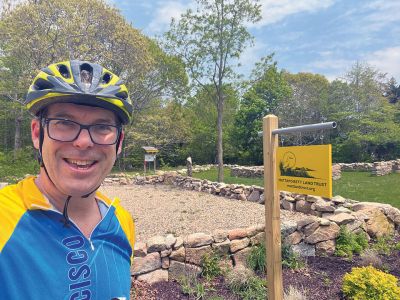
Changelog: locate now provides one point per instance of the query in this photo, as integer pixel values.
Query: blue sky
(318, 36)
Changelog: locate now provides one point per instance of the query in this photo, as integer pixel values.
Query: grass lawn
(359, 186)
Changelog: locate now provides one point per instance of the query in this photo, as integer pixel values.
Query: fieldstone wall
(162, 258)
(314, 235)
(380, 168)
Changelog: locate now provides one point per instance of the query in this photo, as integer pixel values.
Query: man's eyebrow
(65, 115)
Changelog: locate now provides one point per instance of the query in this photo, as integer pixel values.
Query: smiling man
(59, 237)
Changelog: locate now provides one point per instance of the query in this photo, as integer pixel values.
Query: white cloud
(373, 16)
(386, 60)
(274, 11)
(163, 14)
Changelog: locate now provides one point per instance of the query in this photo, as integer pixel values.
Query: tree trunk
(17, 136)
(220, 161)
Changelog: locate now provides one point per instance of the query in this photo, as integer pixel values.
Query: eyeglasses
(64, 130)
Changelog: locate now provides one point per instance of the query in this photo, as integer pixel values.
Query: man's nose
(84, 139)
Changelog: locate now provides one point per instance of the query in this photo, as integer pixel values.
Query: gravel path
(160, 209)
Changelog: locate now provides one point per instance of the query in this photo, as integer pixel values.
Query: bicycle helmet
(79, 82)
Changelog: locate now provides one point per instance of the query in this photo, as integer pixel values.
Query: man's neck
(83, 211)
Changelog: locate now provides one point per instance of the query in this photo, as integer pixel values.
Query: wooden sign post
(272, 210)
(272, 201)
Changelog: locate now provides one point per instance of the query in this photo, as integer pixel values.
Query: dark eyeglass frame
(46, 121)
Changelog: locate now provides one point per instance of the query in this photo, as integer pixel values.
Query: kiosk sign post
(150, 156)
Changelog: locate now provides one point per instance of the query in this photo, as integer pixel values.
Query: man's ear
(120, 142)
(35, 132)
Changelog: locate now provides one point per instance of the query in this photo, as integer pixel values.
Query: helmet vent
(122, 95)
(64, 71)
(41, 84)
(86, 74)
(106, 78)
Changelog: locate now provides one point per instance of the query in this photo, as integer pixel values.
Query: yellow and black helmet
(79, 82)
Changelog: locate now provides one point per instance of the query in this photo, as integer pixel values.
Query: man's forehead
(72, 111)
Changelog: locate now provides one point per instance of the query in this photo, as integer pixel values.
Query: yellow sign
(305, 169)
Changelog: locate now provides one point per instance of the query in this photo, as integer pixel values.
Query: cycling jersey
(40, 258)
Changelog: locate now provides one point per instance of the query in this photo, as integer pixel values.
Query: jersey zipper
(89, 239)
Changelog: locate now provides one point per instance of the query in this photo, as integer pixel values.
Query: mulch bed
(322, 279)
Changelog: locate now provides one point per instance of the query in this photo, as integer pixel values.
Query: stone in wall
(378, 225)
(240, 257)
(325, 248)
(304, 249)
(195, 255)
(154, 276)
(336, 171)
(222, 248)
(220, 235)
(146, 264)
(198, 240)
(177, 270)
(156, 244)
(323, 233)
(237, 245)
(179, 255)
(140, 249)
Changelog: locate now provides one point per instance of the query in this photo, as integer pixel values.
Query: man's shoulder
(11, 193)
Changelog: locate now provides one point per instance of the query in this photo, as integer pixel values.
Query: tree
(269, 88)
(162, 125)
(367, 123)
(34, 34)
(367, 85)
(209, 41)
(201, 113)
(393, 91)
(306, 105)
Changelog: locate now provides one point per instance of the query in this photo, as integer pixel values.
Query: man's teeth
(81, 162)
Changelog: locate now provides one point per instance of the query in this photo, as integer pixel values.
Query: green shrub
(291, 259)
(384, 245)
(370, 257)
(192, 287)
(368, 283)
(210, 266)
(256, 258)
(14, 168)
(242, 282)
(349, 243)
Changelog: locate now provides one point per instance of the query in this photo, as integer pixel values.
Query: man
(59, 237)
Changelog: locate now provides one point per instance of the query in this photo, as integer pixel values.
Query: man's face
(78, 167)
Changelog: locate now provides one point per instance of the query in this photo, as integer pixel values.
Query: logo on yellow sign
(305, 169)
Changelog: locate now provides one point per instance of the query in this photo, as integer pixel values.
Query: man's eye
(64, 123)
(103, 128)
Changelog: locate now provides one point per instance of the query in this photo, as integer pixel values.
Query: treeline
(175, 117)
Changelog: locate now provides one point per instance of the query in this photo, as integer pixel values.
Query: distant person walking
(189, 166)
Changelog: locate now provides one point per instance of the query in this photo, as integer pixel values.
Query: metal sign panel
(305, 169)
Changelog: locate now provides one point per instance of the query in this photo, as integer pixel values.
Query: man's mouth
(80, 164)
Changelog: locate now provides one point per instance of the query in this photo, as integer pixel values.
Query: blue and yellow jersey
(42, 259)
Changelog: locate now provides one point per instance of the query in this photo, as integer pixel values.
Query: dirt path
(159, 210)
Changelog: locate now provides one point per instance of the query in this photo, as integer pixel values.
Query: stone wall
(377, 169)
(163, 258)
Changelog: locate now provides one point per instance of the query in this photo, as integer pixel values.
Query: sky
(319, 36)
